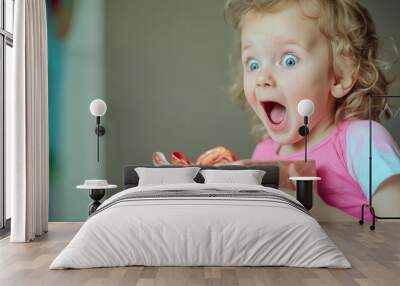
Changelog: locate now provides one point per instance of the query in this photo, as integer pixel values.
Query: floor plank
(374, 255)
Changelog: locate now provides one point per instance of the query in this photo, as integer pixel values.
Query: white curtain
(27, 154)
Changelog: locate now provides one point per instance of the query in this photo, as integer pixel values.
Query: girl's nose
(265, 80)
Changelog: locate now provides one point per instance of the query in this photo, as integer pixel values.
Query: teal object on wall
(75, 51)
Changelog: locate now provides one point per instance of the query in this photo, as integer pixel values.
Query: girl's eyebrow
(291, 42)
(279, 40)
(246, 46)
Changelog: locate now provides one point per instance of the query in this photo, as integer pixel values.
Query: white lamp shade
(98, 107)
(305, 107)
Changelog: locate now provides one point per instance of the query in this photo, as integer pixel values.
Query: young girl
(325, 51)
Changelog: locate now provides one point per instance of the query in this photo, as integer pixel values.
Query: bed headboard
(130, 178)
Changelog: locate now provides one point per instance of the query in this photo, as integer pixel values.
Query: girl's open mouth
(276, 114)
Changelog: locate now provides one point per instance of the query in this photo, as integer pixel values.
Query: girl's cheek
(251, 98)
(249, 91)
(297, 89)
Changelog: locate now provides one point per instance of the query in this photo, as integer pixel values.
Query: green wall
(167, 79)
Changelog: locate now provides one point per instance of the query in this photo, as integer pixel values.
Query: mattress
(201, 225)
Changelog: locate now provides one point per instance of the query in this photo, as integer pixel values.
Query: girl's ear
(343, 83)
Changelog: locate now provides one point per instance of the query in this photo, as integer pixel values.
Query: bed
(198, 224)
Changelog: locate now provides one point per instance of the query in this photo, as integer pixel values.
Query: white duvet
(200, 231)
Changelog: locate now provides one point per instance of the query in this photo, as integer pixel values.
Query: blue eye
(253, 65)
(289, 60)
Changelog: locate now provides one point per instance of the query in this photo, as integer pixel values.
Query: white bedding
(200, 231)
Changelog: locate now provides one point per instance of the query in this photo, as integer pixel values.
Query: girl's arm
(385, 157)
(387, 197)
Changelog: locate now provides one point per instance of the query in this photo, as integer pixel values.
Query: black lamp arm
(100, 131)
(303, 131)
(305, 137)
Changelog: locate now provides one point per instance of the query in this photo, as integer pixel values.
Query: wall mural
(168, 91)
(293, 62)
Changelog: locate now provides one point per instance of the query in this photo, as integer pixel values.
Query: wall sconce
(98, 108)
(305, 108)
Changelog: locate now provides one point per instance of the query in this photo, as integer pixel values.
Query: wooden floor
(375, 257)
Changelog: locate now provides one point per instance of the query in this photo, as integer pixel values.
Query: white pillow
(162, 176)
(248, 177)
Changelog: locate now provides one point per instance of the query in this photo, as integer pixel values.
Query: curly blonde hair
(353, 43)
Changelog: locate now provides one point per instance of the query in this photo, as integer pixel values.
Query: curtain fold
(28, 124)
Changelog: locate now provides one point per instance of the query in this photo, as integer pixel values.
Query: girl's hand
(159, 159)
(217, 156)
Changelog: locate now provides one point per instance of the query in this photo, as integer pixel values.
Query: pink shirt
(342, 163)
